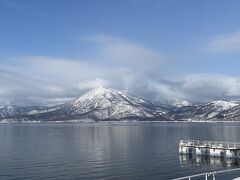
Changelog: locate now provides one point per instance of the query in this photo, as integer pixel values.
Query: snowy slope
(221, 105)
(180, 103)
(231, 114)
(203, 111)
(10, 110)
(103, 104)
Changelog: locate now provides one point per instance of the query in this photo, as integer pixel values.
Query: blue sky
(55, 50)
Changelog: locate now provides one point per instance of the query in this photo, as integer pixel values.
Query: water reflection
(107, 150)
(186, 161)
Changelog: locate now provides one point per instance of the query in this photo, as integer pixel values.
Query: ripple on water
(105, 151)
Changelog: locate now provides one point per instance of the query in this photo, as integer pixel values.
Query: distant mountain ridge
(208, 111)
(10, 110)
(104, 104)
(99, 104)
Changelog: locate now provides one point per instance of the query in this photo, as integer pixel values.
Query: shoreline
(113, 121)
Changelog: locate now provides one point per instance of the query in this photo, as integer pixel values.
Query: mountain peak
(180, 103)
(101, 90)
(106, 103)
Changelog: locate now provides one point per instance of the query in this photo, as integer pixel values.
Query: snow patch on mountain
(180, 103)
(221, 105)
(101, 104)
(201, 112)
(10, 110)
(105, 103)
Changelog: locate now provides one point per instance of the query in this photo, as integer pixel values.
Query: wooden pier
(210, 148)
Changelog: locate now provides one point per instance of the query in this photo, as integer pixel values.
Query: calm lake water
(108, 150)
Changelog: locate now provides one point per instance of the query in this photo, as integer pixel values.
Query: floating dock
(210, 148)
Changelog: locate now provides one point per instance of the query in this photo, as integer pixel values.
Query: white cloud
(118, 63)
(199, 87)
(45, 79)
(118, 52)
(89, 84)
(223, 43)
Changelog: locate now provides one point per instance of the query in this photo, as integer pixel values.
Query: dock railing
(207, 175)
(213, 144)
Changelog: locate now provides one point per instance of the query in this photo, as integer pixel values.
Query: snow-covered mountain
(10, 110)
(205, 111)
(103, 104)
(231, 114)
(13, 111)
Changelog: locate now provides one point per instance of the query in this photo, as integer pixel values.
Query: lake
(108, 150)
